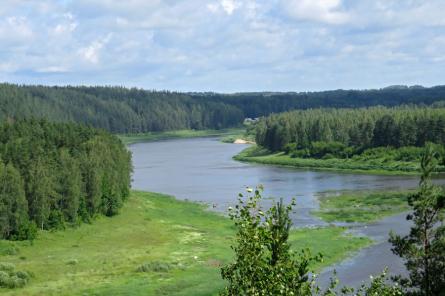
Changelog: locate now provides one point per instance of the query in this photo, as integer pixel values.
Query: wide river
(202, 169)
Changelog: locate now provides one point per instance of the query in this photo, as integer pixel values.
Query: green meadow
(157, 245)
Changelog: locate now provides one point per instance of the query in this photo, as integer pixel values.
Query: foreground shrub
(9, 278)
(264, 263)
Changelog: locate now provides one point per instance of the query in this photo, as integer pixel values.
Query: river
(202, 169)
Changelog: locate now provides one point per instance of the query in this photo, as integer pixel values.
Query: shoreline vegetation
(361, 207)
(260, 155)
(225, 135)
(147, 261)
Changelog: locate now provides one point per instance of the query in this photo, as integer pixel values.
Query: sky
(223, 45)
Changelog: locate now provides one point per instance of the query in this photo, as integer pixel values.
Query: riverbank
(128, 139)
(178, 245)
(258, 155)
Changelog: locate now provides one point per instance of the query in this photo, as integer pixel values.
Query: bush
(409, 154)
(72, 262)
(12, 279)
(7, 267)
(328, 156)
(9, 250)
(290, 148)
(337, 149)
(27, 231)
(16, 282)
(302, 153)
(154, 266)
(4, 278)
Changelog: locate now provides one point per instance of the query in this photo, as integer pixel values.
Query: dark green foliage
(58, 174)
(334, 149)
(13, 203)
(386, 132)
(341, 133)
(117, 109)
(123, 110)
(264, 263)
(424, 247)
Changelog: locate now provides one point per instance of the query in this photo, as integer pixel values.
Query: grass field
(258, 155)
(156, 136)
(361, 206)
(179, 245)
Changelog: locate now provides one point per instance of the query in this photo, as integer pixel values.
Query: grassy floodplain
(178, 134)
(362, 207)
(179, 245)
(259, 155)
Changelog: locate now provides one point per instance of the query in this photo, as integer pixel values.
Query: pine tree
(13, 204)
(70, 181)
(424, 247)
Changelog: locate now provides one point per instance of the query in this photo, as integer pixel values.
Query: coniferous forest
(348, 131)
(57, 174)
(123, 110)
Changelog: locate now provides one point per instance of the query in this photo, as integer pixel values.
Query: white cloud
(91, 53)
(52, 69)
(16, 27)
(65, 28)
(213, 7)
(326, 11)
(228, 6)
(223, 45)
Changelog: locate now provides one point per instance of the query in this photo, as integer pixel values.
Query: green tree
(41, 193)
(424, 247)
(13, 204)
(385, 132)
(264, 263)
(70, 182)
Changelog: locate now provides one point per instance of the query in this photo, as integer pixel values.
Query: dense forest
(345, 132)
(57, 174)
(123, 110)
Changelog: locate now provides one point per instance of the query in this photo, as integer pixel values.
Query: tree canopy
(124, 110)
(53, 174)
(359, 128)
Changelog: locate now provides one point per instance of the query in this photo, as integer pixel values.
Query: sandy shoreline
(241, 141)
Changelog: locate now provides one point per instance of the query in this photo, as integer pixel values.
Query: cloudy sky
(223, 45)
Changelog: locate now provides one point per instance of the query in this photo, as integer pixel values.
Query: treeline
(54, 174)
(359, 129)
(116, 109)
(123, 110)
(264, 103)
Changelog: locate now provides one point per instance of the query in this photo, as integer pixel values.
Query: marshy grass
(157, 245)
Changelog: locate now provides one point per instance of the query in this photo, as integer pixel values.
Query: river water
(202, 169)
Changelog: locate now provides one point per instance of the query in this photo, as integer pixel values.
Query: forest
(124, 110)
(343, 133)
(58, 174)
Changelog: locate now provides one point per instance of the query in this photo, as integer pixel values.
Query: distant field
(259, 155)
(361, 207)
(156, 136)
(180, 246)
